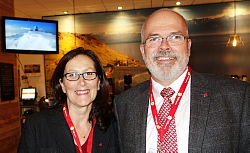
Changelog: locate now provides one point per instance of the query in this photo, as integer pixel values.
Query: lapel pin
(100, 144)
(205, 95)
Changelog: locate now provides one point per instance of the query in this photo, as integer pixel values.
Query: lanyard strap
(163, 129)
(74, 133)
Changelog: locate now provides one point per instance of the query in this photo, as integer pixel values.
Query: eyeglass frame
(79, 74)
(168, 37)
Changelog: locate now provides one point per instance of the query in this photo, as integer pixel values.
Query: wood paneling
(9, 110)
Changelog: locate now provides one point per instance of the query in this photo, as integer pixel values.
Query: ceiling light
(65, 12)
(178, 3)
(235, 40)
(119, 7)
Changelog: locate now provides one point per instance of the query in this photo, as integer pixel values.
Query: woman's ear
(62, 85)
(99, 85)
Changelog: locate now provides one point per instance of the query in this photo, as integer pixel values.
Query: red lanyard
(74, 133)
(163, 130)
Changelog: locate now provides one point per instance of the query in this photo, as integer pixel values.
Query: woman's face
(81, 92)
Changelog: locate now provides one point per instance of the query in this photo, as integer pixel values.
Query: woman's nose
(82, 81)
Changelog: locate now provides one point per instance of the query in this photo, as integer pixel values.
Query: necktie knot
(167, 92)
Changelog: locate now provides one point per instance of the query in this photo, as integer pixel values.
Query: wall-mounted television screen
(29, 36)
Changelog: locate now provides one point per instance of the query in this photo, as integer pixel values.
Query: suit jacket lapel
(199, 108)
(141, 117)
(61, 132)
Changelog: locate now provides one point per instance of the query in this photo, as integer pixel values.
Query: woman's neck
(79, 115)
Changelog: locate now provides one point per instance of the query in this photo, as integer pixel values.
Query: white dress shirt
(182, 116)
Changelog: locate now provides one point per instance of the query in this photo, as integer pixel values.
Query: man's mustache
(166, 53)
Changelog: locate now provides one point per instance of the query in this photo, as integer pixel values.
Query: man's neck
(167, 83)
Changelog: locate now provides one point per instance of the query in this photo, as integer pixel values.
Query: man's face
(167, 60)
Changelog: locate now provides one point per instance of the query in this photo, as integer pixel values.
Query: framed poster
(32, 70)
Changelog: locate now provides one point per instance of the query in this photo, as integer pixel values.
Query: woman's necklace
(85, 135)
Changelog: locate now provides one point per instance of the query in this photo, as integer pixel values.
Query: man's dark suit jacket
(48, 132)
(219, 115)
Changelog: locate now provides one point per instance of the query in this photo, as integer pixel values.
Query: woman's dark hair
(100, 109)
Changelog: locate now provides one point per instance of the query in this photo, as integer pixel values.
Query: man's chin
(167, 73)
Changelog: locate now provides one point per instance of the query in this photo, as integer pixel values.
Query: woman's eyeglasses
(75, 76)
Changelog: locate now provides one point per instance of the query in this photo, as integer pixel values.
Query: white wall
(34, 79)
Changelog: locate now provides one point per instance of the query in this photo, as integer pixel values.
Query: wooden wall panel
(10, 126)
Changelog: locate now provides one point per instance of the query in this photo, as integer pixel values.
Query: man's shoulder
(216, 80)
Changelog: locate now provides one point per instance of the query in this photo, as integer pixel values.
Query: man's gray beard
(161, 75)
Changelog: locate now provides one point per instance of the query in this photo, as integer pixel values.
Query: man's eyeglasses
(173, 40)
(75, 76)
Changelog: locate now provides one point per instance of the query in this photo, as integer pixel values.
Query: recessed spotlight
(65, 12)
(119, 7)
(178, 3)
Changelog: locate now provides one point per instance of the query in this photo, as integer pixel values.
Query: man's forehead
(164, 29)
(165, 21)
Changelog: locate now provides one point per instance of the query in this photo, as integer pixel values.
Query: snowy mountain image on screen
(30, 39)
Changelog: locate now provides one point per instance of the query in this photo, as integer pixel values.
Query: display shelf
(26, 110)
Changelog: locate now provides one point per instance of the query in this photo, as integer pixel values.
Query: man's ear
(189, 46)
(142, 50)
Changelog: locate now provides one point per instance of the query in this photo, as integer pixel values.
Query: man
(212, 113)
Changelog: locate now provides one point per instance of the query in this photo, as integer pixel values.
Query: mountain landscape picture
(115, 38)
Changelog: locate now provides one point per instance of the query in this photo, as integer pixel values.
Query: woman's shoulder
(110, 123)
(109, 137)
(112, 128)
(43, 115)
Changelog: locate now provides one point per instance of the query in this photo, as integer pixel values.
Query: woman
(80, 121)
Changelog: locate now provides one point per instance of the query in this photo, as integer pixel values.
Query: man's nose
(164, 44)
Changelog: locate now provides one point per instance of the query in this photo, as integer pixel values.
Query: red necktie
(170, 137)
